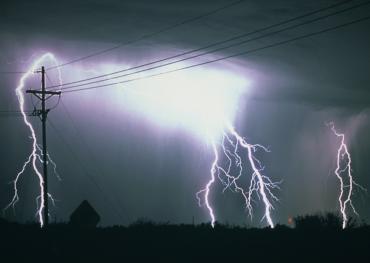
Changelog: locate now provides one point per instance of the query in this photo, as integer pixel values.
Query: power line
(86, 145)
(218, 49)
(56, 105)
(218, 43)
(85, 172)
(12, 72)
(82, 140)
(14, 112)
(10, 115)
(149, 35)
(10, 111)
(230, 56)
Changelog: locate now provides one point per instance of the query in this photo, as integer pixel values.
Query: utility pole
(43, 113)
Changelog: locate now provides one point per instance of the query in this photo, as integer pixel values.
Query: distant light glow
(199, 100)
(205, 102)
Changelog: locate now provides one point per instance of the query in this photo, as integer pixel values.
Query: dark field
(149, 242)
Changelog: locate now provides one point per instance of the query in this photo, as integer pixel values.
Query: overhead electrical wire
(149, 35)
(86, 146)
(85, 170)
(14, 113)
(12, 72)
(231, 56)
(65, 85)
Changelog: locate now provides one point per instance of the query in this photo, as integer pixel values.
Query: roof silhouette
(84, 215)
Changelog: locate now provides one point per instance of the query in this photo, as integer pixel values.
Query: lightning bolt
(344, 171)
(34, 157)
(230, 174)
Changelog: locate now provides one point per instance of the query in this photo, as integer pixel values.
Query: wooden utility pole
(43, 113)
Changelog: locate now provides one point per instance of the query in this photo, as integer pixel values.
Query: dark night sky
(141, 168)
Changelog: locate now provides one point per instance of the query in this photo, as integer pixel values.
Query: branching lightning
(35, 156)
(40, 157)
(343, 172)
(229, 164)
(230, 174)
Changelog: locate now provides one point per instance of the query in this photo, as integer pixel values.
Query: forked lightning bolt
(230, 174)
(343, 172)
(34, 157)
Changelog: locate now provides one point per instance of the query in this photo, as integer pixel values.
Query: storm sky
(130, 165)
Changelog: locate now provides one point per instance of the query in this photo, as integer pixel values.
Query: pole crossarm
(46, 92)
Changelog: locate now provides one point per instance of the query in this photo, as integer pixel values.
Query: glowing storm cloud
(199, 100)
(205, 102)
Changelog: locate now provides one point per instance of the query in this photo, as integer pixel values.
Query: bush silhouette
(315, 236)
(327, 220)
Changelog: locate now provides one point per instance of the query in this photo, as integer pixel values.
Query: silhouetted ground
(148, 242)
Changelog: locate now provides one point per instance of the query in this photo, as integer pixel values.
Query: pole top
(47, 92)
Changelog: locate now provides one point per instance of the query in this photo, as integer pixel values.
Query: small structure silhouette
(84, 216)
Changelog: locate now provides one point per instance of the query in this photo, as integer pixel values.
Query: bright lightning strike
(343, 172)
(179, 100)
(34, 156)
(205, 102)
(229, 175)
(40, 157)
